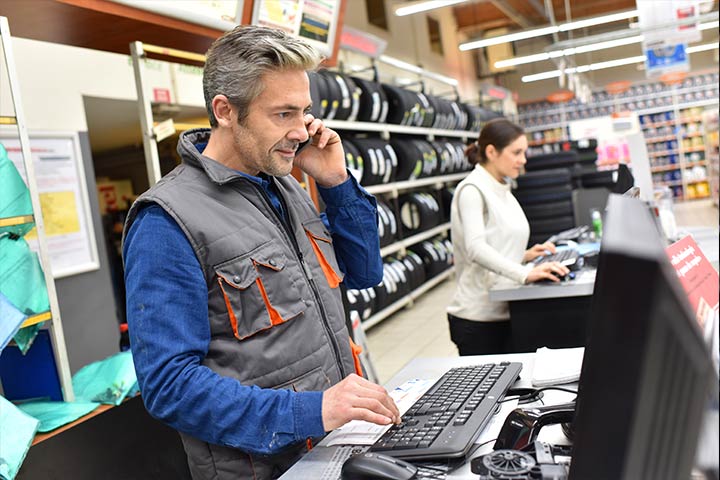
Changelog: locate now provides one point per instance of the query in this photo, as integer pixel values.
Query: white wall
(54, 78)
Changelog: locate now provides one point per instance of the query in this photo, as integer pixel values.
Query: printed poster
(62, 189)
(698, 278)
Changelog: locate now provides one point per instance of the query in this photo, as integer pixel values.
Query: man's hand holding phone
(322, 156)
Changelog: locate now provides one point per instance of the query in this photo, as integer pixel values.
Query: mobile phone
(303, 145)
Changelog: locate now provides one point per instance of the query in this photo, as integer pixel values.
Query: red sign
(161, 95)
(560, 96)
(617, 87)
(362, 42)
(698, 278)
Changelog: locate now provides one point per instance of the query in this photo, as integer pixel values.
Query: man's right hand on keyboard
(356, 398)
(552, 271)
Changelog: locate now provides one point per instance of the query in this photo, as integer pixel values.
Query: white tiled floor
(422, 330)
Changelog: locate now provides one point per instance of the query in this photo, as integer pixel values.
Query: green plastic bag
(107, 381)
(23, 283)
(14, 196)
(17, 431)
(56, 414)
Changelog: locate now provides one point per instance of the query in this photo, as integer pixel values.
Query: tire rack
(393, 189)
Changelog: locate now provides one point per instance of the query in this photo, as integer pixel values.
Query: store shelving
(52, 316)
(407, 300)
(710, 126)
(678, 162)
(671, 118)
(422, 182)
(412, 240)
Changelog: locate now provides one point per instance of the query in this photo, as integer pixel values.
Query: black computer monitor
(646, 373)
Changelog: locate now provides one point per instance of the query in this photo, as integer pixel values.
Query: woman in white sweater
(489, 233)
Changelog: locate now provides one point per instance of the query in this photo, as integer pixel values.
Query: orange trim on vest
(332, 277)
(231, 313)
(275, 318)
(356, 351)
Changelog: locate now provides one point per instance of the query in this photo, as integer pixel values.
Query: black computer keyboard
(447, 419)
(568, 257)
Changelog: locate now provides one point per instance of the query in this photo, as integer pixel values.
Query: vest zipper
(308, 274)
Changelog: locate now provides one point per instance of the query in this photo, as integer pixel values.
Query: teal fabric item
(17, 431)
(23, 283)
(107, 381)
(14, 196)
(10, 320)
(56, 414)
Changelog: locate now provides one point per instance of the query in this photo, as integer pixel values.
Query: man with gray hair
(235, 314)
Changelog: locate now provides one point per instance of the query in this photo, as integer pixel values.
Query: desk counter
(582, 285)
(316, 463)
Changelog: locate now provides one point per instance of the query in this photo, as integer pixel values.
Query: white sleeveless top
(489, 235)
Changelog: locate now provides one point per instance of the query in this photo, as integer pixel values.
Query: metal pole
(152, 159)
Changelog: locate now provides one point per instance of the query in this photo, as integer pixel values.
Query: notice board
(315, 21)
(64, 200)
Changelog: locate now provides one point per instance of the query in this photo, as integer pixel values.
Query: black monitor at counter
(647, 372)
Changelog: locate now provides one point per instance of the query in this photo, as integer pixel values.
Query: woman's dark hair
(499, 133)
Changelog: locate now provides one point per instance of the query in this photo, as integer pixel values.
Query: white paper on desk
(557, 366)
(359, 432)
(492, 429)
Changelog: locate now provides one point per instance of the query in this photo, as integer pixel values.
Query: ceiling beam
(489, 25)
(538, 8)
(514, 15)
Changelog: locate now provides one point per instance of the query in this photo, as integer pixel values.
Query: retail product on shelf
(710, 126)
(671, 121)
(405, 278)
(676, 147)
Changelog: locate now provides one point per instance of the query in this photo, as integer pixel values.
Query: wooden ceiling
(101, 25)
(480, 15)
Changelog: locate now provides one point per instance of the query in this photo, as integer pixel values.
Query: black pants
(480, 338)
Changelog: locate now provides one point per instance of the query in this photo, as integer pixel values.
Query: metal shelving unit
(407, 300)
(53, 315)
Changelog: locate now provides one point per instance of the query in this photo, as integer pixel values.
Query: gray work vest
(275, 310)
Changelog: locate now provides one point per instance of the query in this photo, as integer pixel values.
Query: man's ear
(225, 113)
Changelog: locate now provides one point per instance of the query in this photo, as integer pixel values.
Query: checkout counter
(555, 315)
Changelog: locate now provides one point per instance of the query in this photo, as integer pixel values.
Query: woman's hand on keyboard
(552, 271)
(356, 398)
(538, 250)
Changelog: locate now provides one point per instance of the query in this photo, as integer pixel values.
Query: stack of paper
(553, 367)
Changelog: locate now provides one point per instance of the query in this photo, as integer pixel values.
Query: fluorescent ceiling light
(593, 47)
(589, 22)
(417, 70)
(609, 64)
(511, 62)
(418, 7)
(512, 37)
(538, 32)
(703, 48)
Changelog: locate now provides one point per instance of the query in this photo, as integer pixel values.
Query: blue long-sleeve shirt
(169, 330)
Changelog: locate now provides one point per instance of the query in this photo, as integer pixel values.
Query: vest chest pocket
(321, 243)
(257, 292)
